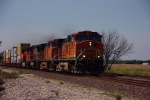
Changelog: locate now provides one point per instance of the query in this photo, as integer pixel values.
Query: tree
(115, 46)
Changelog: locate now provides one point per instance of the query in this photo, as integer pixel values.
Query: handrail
(53, 58)
(79, 56)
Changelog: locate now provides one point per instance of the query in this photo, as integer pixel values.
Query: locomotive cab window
(95, 37)
(80, 38)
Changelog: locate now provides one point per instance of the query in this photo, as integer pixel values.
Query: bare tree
(115, 46)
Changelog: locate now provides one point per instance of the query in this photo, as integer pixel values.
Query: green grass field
(133, 69)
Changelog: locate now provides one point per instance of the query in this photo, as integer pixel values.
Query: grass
(21, 72)
(132, 69)
(73, 85)
(115, 95)
(9, 75)
(47, 81)
(78, 86)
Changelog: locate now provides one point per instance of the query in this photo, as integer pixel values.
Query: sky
(38, 21)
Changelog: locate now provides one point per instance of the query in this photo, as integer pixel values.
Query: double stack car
(80, 52)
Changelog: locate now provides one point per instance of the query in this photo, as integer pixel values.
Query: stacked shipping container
(8, 57)
(20, 47)
(13, 56)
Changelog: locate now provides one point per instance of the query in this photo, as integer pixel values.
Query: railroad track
(127, 79)
(143, 81)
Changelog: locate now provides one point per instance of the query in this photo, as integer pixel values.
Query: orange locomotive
(81, 52)
(84, 52)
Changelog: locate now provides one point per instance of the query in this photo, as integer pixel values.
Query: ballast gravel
(41, 85)
(31, 87)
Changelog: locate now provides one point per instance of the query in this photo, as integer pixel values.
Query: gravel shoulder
(39, 85)
(31, 87)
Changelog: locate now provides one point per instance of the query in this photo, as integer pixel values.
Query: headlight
(83, 56)
(90, 43)
(98, 56)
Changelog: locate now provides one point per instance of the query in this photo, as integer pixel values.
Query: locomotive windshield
(81, 38)
(95, 37)
(54, 44)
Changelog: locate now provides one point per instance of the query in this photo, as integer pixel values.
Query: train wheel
(47, 66)
(69, 68)
(37, 65)
(54, 67)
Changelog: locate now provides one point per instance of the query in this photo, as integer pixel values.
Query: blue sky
(37, 21)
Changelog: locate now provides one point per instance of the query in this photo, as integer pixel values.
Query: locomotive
(80, 52)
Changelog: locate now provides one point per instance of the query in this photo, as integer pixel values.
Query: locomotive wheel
(69, 68)
(48, 65)
(37, 65)
(54, 67)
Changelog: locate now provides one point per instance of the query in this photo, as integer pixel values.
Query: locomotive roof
(56, 40)
(86, 32)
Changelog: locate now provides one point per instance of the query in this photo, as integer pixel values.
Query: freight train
(80, 52)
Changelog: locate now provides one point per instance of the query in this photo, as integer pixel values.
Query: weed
(61, 82)
(47, 81)
(115, 95)
(56, 92)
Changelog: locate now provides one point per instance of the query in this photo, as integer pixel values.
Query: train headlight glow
(90, 43)
(83, 56)
(98, 56)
